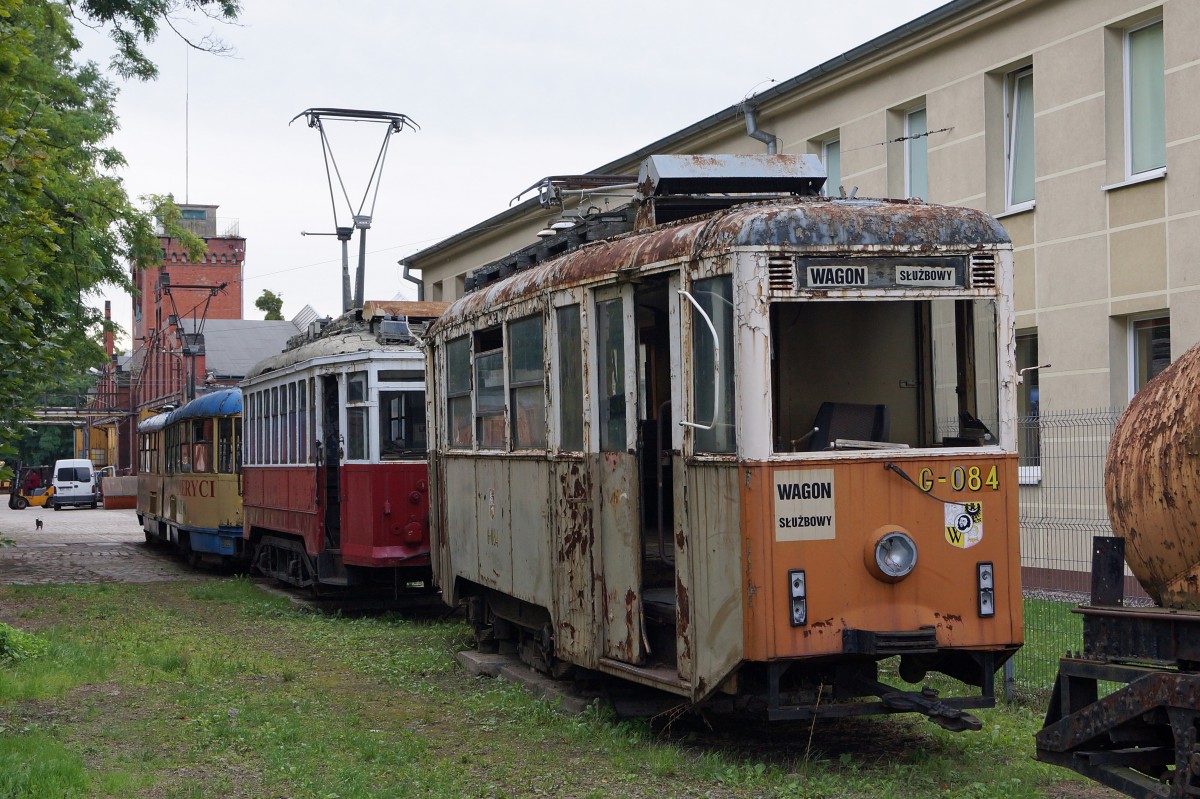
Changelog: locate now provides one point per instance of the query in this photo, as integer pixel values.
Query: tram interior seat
(848, 420)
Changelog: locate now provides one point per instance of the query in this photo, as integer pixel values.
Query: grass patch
(214, 688)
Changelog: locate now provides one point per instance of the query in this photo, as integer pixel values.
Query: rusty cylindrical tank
(1152, 482)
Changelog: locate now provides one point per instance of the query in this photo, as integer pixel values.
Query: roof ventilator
(983, 270)
(781, 274)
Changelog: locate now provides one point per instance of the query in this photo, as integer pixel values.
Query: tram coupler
(925, 702)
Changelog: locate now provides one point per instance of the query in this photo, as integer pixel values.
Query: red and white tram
(336, 485)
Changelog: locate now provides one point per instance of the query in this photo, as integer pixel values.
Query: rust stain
(683, 610)
(786, 223)
(1153, 486)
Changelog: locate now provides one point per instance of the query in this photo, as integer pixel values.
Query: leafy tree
(69, 226)
(271, 303)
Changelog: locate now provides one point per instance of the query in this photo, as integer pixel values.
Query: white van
(75, 483)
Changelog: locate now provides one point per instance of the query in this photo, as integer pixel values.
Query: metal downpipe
(753, 132)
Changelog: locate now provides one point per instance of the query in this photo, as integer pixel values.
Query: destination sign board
(881, 273)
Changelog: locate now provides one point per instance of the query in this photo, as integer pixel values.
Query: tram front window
(401, 424)
(879, 374)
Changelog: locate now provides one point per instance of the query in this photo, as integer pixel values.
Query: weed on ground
(218, 689)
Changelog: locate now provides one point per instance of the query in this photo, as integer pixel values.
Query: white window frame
(1012, 110)
(1131, 340)
(908, 145)
(1127, 121)
(832, 189)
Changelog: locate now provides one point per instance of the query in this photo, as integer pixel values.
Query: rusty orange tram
(739, 443)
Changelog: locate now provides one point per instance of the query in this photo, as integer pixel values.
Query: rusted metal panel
(841, 591)
(1152, 483)
(573, 564)
(801, 223)
(529, 530)
(617, 516)
(1139, 739)
(716, 636)
(411, 308)
(460, 513)
(493, 514)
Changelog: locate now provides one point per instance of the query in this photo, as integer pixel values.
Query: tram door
(633, 476)
(655, 430)
(331, 448)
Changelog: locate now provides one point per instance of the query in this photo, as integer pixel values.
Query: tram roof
(793, 222)
(156, 422)
(351, 342)
(226, 402)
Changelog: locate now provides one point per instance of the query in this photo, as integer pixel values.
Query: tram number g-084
(739, 453)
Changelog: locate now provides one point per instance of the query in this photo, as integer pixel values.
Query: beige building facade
(1076, 123)
(1073, 121)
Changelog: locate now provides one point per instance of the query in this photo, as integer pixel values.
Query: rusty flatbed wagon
(739, 442)
(1126, 710)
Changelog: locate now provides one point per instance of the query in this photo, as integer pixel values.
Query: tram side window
(202, 441)
(273, 428)
(458, 392)
(526, 380)
(879, 374)
(291, 423)
(611, 350)
(401, 424)
(356, 387)
(185, 446)
(302, 422)
(237, 445)
(489, 388)
(715, 296)
(358, 429)
(570, 379)
(171, 445)
(225, 456)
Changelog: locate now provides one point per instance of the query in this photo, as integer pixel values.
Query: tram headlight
(890, 554)
(985, 575)
(799, 596)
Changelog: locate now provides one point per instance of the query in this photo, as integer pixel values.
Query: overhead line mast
(361, 216)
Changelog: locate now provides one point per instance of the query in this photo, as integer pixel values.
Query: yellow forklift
(31, 485)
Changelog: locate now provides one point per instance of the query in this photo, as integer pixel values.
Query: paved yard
(82, 546)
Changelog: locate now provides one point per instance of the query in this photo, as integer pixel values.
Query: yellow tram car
(739, 443)
(190, 477)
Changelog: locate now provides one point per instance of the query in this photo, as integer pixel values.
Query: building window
(1028, 411)
(458, 392)
(1145, 108)
(916, 154)
(526, 380)
(1150, 346)
(1018, 139)
(831, 155)
(570, 378)
(193, 213)
(489, 388)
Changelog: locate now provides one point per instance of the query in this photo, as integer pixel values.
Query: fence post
(1010, 679)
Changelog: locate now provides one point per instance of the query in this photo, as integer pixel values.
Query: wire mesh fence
(1061, 471)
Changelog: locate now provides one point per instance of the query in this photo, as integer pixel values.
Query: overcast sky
(505, 93)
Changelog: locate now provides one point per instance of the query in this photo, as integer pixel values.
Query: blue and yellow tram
(190, 477)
